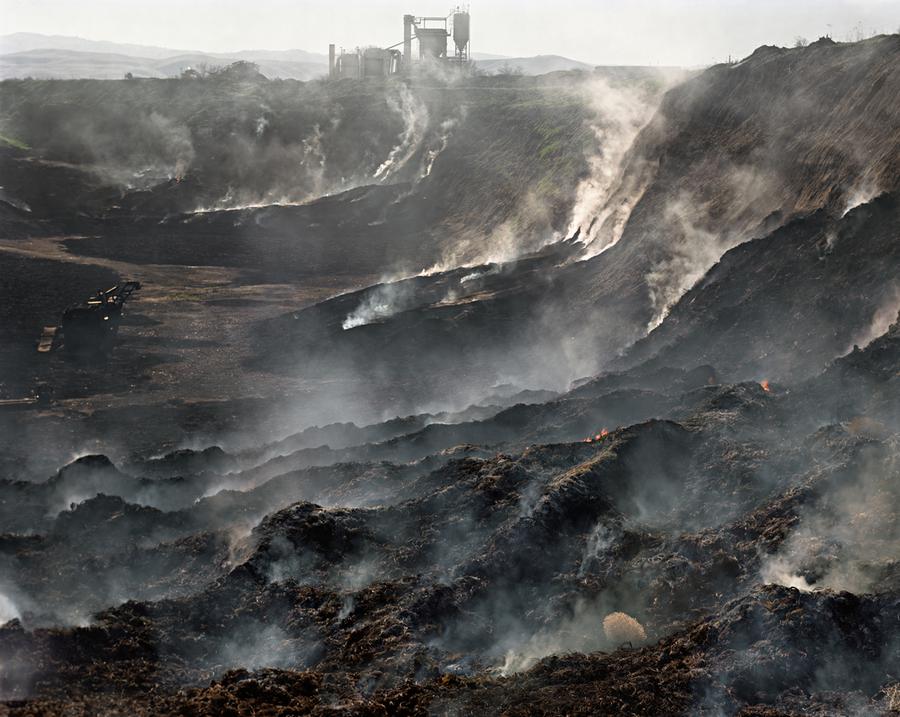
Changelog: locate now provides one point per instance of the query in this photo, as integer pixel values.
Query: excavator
(91, 326)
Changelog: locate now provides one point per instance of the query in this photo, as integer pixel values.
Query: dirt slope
(674, 535)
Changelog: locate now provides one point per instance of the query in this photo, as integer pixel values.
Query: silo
(461, 32)
(376, 62)
(348, 65)
(432, 42)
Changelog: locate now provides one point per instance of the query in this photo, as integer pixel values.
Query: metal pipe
(408, 21)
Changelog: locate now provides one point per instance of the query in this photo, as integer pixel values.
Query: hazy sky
(679, 32)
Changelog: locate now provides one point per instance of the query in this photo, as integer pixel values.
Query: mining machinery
(92, 325)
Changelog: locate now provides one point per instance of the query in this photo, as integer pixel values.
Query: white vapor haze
(862, 193)
(885, 315)
(432, 154)
(414, 115)
(382, 302)
(845, 539)
(692, 252)
(587, 629)
(8, 610)
(620, 113)
(694, 233)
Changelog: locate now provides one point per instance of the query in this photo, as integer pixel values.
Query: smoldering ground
(468, 524)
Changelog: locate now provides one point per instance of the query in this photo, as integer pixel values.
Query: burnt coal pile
(780, 180)
(646, 464)
(733, 539)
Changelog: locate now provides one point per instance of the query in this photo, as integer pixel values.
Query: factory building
(363, 62)
(431, 35)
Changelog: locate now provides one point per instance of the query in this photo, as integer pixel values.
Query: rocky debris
(494, 560)
(737, 523)
(781, 217)
(186, 462)
(751, 657)
(449, 566)
(767, 309)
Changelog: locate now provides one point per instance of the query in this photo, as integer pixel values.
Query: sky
(630, 32)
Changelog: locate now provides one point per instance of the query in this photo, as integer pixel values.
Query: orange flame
(600, 436)
(765, 385)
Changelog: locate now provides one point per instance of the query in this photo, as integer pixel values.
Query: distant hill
(25, 41)
(478, 56)
(71, 64)
(538, 65)
(28, 54)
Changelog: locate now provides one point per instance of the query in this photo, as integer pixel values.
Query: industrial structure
(91, 326)
(430, 34)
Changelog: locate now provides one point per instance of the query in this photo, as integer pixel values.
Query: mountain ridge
(25, 54)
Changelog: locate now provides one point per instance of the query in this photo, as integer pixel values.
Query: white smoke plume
(843, 541)
(258, 645)
(862, 193)
(432, 154)
(314, 159)
(261, 123)
(600, 539)
(695, 231)
(692, 252)
(177, 138)
(584, 631)
(166, 151)
(8, 610)
(380, 303)
(882, 319)
(621, 112)
(512, 239)
(358, 574)
(305, 181)
(606, 229)
(414, 114)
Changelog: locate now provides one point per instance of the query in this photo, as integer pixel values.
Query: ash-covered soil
(416, 576)
(565, 395)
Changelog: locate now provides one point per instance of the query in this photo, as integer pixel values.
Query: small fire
(765, 385)
(599, 437)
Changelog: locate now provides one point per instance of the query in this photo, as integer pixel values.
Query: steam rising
(414, 115)
(885, 315)
(692, 251)
(620, 113)
(446, 129)
(862, 193)
(848, 539)
(463, 524)
(380, 303)
(585, 630)
(163, 148)
(693, 234)
(256, 645)
(8, 610)
(600, 539)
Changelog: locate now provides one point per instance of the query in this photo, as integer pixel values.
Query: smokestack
(331, 60)
(408, 21)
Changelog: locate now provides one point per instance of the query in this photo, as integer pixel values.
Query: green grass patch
(13, 142)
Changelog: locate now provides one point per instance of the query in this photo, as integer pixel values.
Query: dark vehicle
(93, 324)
